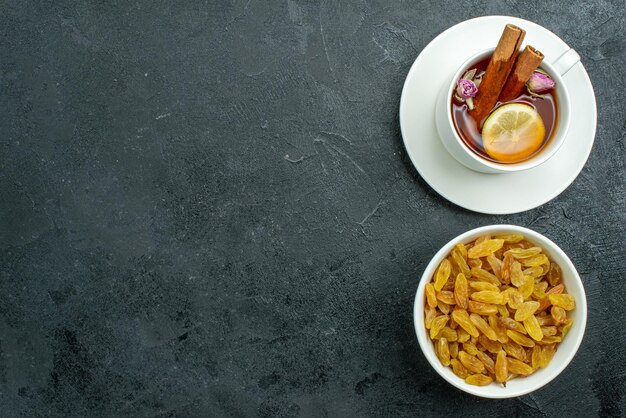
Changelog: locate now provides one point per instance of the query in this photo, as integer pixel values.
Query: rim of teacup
(554, 143)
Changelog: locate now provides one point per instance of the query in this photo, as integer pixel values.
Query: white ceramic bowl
(565, 350)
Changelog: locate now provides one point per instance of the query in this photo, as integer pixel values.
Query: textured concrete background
(207, 210)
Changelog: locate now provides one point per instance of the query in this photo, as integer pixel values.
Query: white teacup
(463, 154)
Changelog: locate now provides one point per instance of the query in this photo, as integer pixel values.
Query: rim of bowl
(563, 120)
(424, 339)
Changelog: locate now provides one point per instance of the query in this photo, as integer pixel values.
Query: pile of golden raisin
(496, 309)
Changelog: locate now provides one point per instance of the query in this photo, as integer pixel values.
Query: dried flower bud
(539, 82)
(466, 89)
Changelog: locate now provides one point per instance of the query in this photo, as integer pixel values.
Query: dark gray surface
(207, 210)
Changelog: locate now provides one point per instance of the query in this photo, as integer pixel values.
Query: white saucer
(490, 193)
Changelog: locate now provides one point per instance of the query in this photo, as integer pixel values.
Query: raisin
(525, 310)
(566, 327)
(484, 276)
(484, 286)
(544, 304)
(515, 298)
(461, 291)
(470, 362)
(480, 240)
(429, 314)
(564, 301)
(459, 369)
(454, 349)
(443, 351)
(443, 307)
(489, 345)
(534, 261)
(499, 328)
(540, 290)
(470, 348)
(536, 357)
(550, 340)
(437, 325)
(483, 326)
(462, 334)
(554, 275)
(514, 350)
(511, 238)
(556, 290)
(533, 272)
(474, 263)
(482, 308)
(524, 252)
(450, 283)
(547, 353)
(517, 337)
(478, 380)
(533, 328)
(487, 361)
(447, 333)
(446, 296)
(512, 324)
(443, 272)
(501, 367)
(506, 268)
(487, 296)
(431, 296)
(485, 248)
(517, 275)
(462, 318)
(527, 288)
(461, 249)
(544, 320)
(518, 367)
(496, 265)
(460, 263)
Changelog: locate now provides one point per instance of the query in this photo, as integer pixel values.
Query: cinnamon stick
(527, 62)
(497, 71)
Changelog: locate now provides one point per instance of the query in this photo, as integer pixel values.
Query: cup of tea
(489, 144)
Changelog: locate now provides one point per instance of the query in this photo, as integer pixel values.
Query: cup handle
(566, 61)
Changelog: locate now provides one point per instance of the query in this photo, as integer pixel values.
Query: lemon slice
(513, 132)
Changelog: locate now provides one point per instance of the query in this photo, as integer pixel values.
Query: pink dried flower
(466, 89)
(539, 82)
